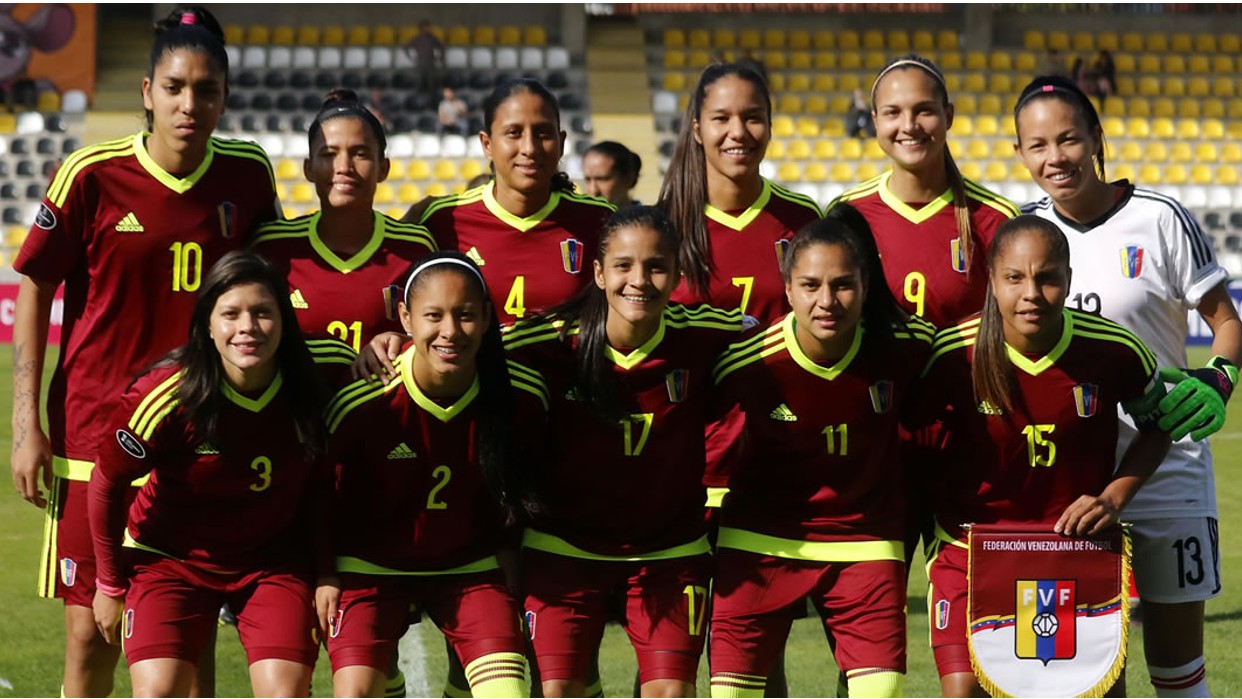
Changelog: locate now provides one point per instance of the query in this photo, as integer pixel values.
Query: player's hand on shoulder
(31, 466)
(374, 362)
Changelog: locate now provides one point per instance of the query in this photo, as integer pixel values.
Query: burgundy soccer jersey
(352, 299)
(240, 501)
(410, 491)
(1060, 442)
(532, 263)
(748, 248)
(820, 458)
(132, 244)
(629, 486)
(919, 247)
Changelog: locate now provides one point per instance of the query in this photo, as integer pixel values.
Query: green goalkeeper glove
(1196, 405)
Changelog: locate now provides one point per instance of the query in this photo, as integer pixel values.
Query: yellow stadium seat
(946, 40)
(48, 102)
(841, 172)
(1000, 83)
(14, 236)
(848, 39)
(776, 82)
(458, 36)
(1180, 152)
(472, 169)
(1150, 174)
(777, 150)
(872, 150)
(1138, 127)
(977, 149)
(674, 81)
(801, 60)
(509, 35)
(975, 82)
(1149, 86)
(789, 104)
(409, 192)
(825, 60)
(851, 150)
(824, 40)
(282, 193)
(998, 60)
(1124, 171)
(1213, 128)
(1033, 40)
(1205, 43)
(789, 172)
(1174, 63)
(966, 104)
(1026, 61)
(817, 104)
(1162, 128)
(282, 35)
(1131, 151)
(384, 35)
(953, 81)
(849, 82)
(396, 212)
(358, 36)
(923, 41)
(951, 60)
(897, 41)
(1226, 175)
(774, 40)
(971, 170)
(1002, 148)
(1199, 64)
(1058, 40)
(385, 193)
(815, 172)
(419, 170)
(288, 169)
(1206, 152)
(873, 40)
(1155, 41)
(964, 125)
(308, 35)
(850, 60)
(990, 104)
(782, 126)
(1189, 108)
(1222, 63)
(700, 39)
(1163, 107)
(1125, 63)
(485, 35)
(1132, 42)
(1233, 129)
(775, 61)
(1008, 129)
(1107, 41)
(1114, 127)
(1126, 85)
(234, 34)
(807, 127)
(833, 128)
(825, 149)
(674, 39)
(303, 193)
(699, 59)
(535, 35)
(332, 36)
(866, 171)
(1182, 43)
(1229, 43)
(1234, 110)
(1149, 63)
(445, 170)
(750, 39)
(1222, 87)
(987, 125)
(1213, 108)
(1115, 107)
(258, 34)
(799, 40)
(875, 60)
(1082, 42)
(396, 170)
(674, 59)
(976, 60)
(8, 122)
(1176, 174)
(1187, 128)
(1198, 87)
(996, 171)
(1138, 107)
(436, 189)
(799, 149)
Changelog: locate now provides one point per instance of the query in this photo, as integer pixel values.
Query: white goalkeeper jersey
(1144, 264)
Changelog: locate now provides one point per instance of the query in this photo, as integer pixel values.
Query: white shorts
(1177, 560)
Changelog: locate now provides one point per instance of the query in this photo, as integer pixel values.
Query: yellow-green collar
(441, 413)
(908, 212)
(638, 354)
(254, 405)
(795, 351)
(1034, 368)
(522, 224)
(378, 229)
(180, 186)
(744, 219)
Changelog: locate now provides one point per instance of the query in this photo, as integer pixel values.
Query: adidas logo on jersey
(129, 224)
(782, 413)
(986, 408)
(206, 449)
(298, 301)
(473, 254)
(402, 451)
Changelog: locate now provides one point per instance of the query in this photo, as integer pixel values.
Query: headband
(441, 261)
(1044, 90)
(353, 109)
(903, 63)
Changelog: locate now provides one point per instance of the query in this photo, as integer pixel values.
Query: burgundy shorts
(757, 597)
(946, 613)
(475, 611)
(67, 565)
(172, 608)
(665, 612)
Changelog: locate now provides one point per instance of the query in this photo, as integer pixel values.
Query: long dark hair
(625, 162)
(202, 373)
(339, 103)
(848, 229)
(509, 88)
(494, 439)
(957, 183)
(991, 372)
(595, 384)
(684, 192)
(1056, 87)
(190, 27)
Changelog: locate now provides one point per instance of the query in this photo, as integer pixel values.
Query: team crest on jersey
(1045, 624)
(942, 614)
(45, 219)
(68, 571)
(782, 249)
(127, 624)
(1086, 399)
(392, 296)
(677, 382)
(881, 396)
(957, 256)
(228, 218)
(530, 625)
(571, 255)
(1131, 261)
(130, 444)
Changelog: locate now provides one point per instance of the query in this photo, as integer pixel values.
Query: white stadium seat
(234, 54)
(280, 57)
(30, 123)
(453, 146)
(254, 57)
(400, 146)
(531, 58)
(304, 57)
(481, 58)
(664, 102)
(355, 58)
(427, 146)
(558, 58)
(380, 57)
(506, 58)
(73, 102)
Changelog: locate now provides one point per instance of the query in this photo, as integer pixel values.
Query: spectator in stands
(858, 120)
(611, 171)
(428, 54)
(451, 114)
(1053, 63)
(1105, 75)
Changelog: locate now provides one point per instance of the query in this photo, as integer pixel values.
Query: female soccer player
(1018, 388)
(814, 509)
(345, 263)
(421, 468)
(611, 171)
(625, 376)
(228, 426)
(1144, 262)
(932, 226)
(129, 226)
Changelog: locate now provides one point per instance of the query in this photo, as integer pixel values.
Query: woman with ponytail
(1019, 450)
(130, 227)
(624, 375)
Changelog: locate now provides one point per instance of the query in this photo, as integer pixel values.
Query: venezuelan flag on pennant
(1048, 614)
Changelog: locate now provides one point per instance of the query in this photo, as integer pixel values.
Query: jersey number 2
(442, 474)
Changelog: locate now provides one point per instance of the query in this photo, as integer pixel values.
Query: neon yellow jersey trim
(908, 212)
(638, 354)
(254, 405)
(1037, 367)
(179, 185)
(521, 223)
(131, 543)
(795, 351)
(716, 497)
(744, 219)
(835, 551)
(540, 541)
(357, 259)
(77, 470)
(416, 394)
(948, 538)
(349, 564)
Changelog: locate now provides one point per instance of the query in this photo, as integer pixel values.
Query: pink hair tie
(189, 18)
(1047, 88)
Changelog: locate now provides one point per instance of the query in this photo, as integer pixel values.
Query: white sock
(1189, 680)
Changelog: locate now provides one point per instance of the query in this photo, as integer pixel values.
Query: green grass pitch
(31, 633)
